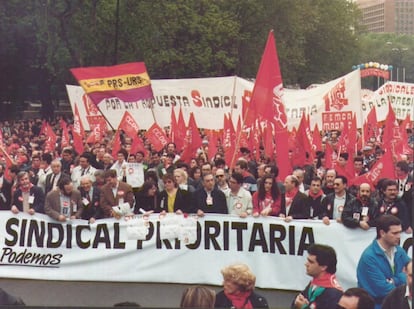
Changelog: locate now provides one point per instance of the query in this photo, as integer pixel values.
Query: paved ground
(46, 294)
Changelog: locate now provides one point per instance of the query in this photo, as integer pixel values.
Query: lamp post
(399, 51)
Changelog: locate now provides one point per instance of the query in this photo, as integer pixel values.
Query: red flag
(138, 145)
(282, 151)
(43, 127)
(129, 125)
(173, 124)
(212, 143)
(330, 156)
(228, 141)
(178, 131)
(116, 144)
(157, 137)
(78, 132)
(392, 138)
(193, 140)
(129, 82)
(65, 134)
(383, 168)
(371, 126)
(266, 102)
(316, 139)
(302, 144)
(1, 138)
(269, 148)
(51, 138)
(98, 126)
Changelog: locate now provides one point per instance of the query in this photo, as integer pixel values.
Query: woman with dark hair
(267, 200)
(147, 198)
(195, 176)
(173, 199)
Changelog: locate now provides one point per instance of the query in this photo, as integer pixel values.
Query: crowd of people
(64, 184)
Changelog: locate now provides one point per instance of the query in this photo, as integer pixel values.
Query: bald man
(362, 211)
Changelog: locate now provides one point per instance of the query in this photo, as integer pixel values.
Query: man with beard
(329, 182)
(64, 204)
(391, 204)
(361, 211)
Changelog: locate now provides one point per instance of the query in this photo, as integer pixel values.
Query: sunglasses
(217, 176)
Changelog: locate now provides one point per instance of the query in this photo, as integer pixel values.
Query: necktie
(53, 180)
(83, 172)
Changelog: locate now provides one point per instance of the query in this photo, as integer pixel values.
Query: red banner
(157, 137)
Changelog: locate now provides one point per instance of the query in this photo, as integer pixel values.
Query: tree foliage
(316, 40)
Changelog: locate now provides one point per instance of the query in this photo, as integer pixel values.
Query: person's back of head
(358, 297)
(198, 297)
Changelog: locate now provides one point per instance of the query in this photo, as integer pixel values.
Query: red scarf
(315, 196)
(241, 300)
(292, 193)
(326, 281)
(28, 189)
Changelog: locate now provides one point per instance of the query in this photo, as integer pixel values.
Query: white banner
(401, 96)
(36, 247)
(208, 98)
(211, 98)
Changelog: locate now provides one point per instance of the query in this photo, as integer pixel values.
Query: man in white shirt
(238, 199)
(84, 168)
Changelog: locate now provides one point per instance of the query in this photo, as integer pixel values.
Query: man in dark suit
(5, 190)
(65, 203)
(296, 205)
(209, 199)
(114, 193)
(27, 197)
(90, 200)
(53, 178)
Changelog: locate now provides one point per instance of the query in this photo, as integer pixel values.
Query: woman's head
(169, 182)
(198, 297)
(149, 188)
(180, 176)
(238, 278)
(267, 185)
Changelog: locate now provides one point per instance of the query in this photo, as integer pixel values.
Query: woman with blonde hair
(238, 289)
(198, 297)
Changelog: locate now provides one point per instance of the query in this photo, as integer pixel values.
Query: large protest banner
(400, 95)
(174, 249)
(329, 105)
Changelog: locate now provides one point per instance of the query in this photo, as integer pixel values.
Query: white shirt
(77, 174)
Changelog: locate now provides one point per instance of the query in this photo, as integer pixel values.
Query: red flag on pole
(316, 139)
(78, 132)
(65, 133)
(228, 141)
(157, 137)
(371, 126)
(193, 140)
(392, 138)
(51, 138)
(383, 168)
(129, 82)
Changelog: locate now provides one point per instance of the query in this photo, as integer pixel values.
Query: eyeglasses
(217, 176)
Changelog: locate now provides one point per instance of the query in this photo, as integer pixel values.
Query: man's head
(84, 160)
(291, 182)
(330, 177)
(236, 182)
(206, 168)
(321, 259)
(402, 169)
(300, 174)
(35, 162)
(208, 181)
(111, 178)
(241, 166)
(23, 180)
(364, 191)
(343, 159)
(220, 176)
(86, 183)
(356, 298)
(56, 166)
(261, 170)
(358, 164)
(46, 159)
(389, 230)
(340, 183)
(171, 148)
(67, 155)
(390, 190)
(316, 184)
(121, 155)
(65, 185)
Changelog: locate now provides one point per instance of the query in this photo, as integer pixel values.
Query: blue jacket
(374, 269)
